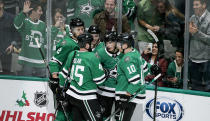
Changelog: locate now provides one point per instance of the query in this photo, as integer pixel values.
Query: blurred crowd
(158, 27)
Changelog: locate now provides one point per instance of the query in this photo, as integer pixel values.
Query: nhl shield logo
(40, 99)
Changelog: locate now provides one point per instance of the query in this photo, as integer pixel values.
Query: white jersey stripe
(133, 78)
(80, 97)
(18, 27)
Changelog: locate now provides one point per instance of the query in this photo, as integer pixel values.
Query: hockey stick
(153, 35)
(132, 98)
(155, 100)
(42, 55)
(66, 80)
(155, 97)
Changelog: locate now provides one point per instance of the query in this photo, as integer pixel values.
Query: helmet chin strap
(98, 41)
(89, 49)
(123, 50)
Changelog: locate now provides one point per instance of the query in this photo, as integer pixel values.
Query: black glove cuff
(53, 80)
(124, 98)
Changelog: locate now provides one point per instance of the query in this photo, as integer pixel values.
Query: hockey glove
(155, 69)
(124, 102)
(53, 84)
(60, 94)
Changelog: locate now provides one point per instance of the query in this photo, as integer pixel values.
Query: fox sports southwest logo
(167, 109)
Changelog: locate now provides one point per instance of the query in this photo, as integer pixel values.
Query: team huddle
(89, 73)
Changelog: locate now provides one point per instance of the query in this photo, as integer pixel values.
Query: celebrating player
(131, 71)
(59, 59)
(86, 73)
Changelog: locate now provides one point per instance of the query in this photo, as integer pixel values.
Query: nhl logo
(40, 99)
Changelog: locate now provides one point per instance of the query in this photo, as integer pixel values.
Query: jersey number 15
(74, 72)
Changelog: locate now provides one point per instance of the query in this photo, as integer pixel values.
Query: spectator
(64, 30)
(172, 20)
(107, 21)
(155, 57)
(200, 46)
(148, 19)
(175, 70)
(31, 28)
(84, 9)
(61, 4)
(8, 38)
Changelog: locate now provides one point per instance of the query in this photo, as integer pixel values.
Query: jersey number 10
(131, 69)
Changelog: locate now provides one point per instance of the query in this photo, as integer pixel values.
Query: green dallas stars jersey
(109, 62)
(60, 57)
(83, 9)
(86, 74)
(100, 45)
(29, 30)
(131, 69)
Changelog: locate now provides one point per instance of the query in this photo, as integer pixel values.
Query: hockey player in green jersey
(59, 59)
(31, 28)
(69, 44)
(84, 72)
(97, 43)
(131, 71)
(109, 57)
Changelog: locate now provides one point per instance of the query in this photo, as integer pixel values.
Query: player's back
(86, 73)
(85, 69)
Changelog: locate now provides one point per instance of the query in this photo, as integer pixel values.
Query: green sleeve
(99, 55)
(145, 66)
(60, 57)
(139, 11)
(97, 71)
(65, 71)
(19, 21)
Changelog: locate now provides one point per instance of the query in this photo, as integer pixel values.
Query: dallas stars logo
(23, 101)
(86, 8)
